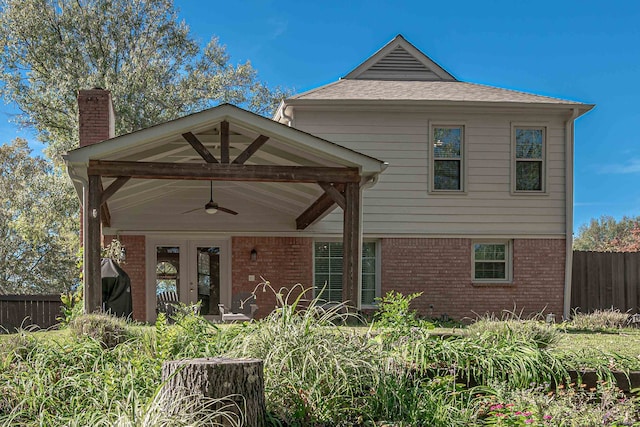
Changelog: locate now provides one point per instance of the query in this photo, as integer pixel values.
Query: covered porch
(197, 187)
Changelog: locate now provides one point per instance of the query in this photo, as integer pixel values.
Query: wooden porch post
(93, 277)
(352, 245)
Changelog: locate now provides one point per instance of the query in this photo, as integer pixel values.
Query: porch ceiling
(160, 204)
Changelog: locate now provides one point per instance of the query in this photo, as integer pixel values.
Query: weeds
(491, 329)
(599, 320)
(317, 372)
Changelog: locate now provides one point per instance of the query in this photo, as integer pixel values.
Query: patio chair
(167, 303)
(243, 308)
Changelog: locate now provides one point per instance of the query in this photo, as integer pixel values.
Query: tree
(38, 223)
(608, 235)
(138, 49)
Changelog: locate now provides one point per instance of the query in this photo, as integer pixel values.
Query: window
(529, 148)
(491, 262)
(167, 269)
(447, 158)
(328, 271)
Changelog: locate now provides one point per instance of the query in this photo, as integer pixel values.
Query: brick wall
(284, 261)
(134, 265)
(96, 122)
(441, 269)
(96, 118)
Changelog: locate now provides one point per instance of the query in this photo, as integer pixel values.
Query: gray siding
(400, 202)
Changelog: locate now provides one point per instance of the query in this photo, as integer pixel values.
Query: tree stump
(240, 380)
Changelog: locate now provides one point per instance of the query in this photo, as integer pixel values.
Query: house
(396, 177)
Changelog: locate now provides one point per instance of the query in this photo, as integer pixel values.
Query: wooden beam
(201, 149)
(316, 210)
(335, 195)
(224, 142)
(93, 277)
(113, 187)
(222, 172)
(250, 150)
(104, 210)
(351, 245)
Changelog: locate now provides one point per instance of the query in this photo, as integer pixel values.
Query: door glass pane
(208, 270)
(168, 270)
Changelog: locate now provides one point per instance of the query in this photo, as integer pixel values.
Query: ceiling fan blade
(229, 211)
(192, 210)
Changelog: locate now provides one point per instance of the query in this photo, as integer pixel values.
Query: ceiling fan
(212, 207)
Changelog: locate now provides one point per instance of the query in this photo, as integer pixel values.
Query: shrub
(602, 406)
(104, 328)
(316, 373)
(599, 320)
(394, 312)
(72, 305)
(491, 329)
(515, 362)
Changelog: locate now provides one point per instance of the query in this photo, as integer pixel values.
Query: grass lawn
(619, 349)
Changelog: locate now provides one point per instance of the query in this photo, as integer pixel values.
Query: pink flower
(518, 412)
(547, 417)
(496, 407)
(528, 421)
(526, 414)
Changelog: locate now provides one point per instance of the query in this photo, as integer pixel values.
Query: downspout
(85, 186)
(569, 154)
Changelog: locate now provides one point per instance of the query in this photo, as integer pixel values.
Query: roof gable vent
(399, 60)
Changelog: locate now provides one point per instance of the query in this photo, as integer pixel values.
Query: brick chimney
(96, 118)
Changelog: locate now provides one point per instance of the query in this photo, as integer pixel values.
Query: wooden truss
(341, 186)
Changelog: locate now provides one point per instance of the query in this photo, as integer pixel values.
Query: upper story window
(447, 158)
(529, 148)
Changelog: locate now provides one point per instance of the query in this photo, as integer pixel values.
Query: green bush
(104, 328)
(515, 362)
(570, 407)
(394, 311)
(489, 329)
(599, 320)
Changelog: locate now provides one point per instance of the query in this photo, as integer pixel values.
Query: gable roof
(153, 204)
(401, 74)
(152, 139)
(370, 90)
(400, 60)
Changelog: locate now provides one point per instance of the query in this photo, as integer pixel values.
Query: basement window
(491, 262)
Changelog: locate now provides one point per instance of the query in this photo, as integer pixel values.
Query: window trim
(508, 261)
(544, 174)
(463, 157)
(378, 255)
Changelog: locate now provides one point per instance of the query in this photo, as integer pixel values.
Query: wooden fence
(603, 280)
(25, 310)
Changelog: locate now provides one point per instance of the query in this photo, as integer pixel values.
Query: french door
(190, 271)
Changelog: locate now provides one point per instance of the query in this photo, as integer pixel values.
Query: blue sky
(586, 50)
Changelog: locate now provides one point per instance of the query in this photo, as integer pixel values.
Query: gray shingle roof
(363, 90)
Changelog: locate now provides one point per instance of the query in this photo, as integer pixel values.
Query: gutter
(569, 160)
